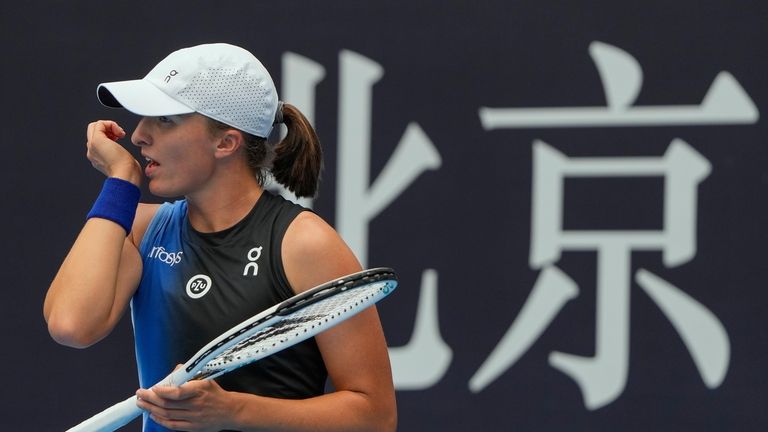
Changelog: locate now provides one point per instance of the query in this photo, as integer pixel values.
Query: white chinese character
(602, 378)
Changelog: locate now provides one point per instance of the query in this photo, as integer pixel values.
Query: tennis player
(194, 267)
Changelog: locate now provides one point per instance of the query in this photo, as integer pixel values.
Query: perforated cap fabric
(221, 81)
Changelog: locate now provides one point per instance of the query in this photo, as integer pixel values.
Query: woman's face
(179, 153)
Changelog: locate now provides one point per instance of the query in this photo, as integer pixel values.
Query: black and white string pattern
(305, 322)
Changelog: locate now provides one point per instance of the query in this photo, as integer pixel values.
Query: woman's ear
(229, 143)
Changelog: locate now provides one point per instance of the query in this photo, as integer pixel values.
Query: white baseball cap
(221, 81)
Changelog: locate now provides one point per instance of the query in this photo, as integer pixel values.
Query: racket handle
(111, 418)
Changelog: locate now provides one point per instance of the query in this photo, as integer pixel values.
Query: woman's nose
(141, 136)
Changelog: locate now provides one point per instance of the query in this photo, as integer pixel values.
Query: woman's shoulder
(313, 252)
(145, 213)
(309, 230)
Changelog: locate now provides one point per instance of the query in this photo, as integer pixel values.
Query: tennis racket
(281, 326)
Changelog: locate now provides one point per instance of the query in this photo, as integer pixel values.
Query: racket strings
(302, 323)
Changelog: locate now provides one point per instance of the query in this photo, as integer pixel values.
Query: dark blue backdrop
(648, 264)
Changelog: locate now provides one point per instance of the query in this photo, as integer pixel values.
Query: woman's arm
(355, 352)
(99, 275)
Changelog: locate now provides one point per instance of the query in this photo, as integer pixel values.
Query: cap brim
(140, 97)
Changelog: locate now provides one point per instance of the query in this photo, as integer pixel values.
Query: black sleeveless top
(195, 286)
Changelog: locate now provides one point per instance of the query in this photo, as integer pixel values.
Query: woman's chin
(162, 192)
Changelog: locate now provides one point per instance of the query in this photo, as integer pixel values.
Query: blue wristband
(117, 202)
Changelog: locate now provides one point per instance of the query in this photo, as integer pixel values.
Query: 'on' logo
(198, 286)
(252, 267)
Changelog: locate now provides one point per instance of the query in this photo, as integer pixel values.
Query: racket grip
(111, 418)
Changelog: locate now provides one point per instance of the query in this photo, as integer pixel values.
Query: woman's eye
(163, 119)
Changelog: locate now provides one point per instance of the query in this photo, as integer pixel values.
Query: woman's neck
(222, 207)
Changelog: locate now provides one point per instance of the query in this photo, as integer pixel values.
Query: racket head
(288, 323)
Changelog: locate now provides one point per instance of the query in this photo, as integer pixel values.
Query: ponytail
(298, 158)
(296, 161)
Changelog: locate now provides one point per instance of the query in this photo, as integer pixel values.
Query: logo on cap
(172, 73)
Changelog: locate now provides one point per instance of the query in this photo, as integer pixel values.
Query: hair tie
(279, 112)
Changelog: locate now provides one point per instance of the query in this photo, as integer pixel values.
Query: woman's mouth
(151, 166)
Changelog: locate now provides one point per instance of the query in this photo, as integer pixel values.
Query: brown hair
(296, 161)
